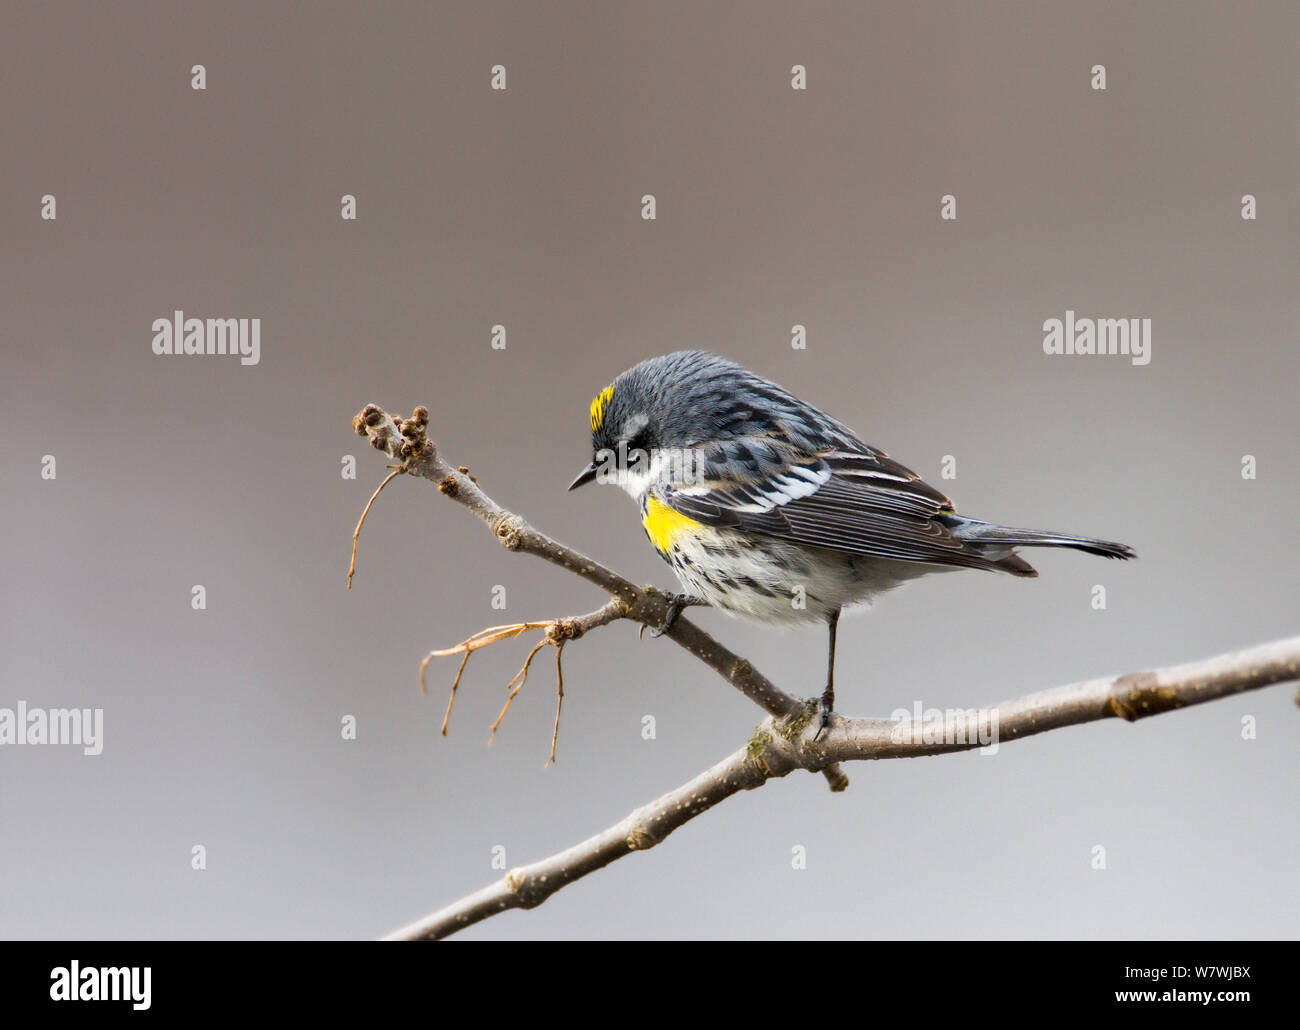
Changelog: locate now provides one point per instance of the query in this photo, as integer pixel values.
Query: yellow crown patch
(598, 406)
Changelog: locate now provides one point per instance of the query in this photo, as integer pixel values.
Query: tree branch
(407, 441)
(779, 746)
(785, 740)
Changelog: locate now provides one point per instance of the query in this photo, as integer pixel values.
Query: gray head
(694, 401)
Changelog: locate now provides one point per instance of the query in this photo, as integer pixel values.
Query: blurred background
(522, 208)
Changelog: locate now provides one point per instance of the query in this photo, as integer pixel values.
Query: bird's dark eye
(639, 442)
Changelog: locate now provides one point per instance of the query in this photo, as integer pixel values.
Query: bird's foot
(824, 708)
(676, 603)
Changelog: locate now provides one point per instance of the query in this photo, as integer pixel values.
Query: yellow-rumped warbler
(768, 508)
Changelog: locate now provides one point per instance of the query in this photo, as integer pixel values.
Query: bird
(767, 508)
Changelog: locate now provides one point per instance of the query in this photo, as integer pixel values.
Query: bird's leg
(828, 695)
(676, 602)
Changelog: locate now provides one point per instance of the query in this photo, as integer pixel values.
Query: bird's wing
(855, 501)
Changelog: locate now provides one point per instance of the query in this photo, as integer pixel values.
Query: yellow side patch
(664, 524)
(598, 406)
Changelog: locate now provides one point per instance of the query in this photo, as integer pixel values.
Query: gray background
(775, 207)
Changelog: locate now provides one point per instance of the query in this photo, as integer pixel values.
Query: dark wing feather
(860, 503)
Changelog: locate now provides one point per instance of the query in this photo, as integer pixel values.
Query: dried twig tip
(356, 533)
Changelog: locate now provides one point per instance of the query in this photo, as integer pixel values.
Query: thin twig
(483, 638)
(451, 699)
(559, 699)
(356, 533)
(516, 685)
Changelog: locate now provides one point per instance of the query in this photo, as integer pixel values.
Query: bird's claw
(823, 717)
(676, 602)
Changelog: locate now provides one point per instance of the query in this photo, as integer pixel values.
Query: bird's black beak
(584, 477)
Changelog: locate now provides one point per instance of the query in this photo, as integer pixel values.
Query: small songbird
(767, 508)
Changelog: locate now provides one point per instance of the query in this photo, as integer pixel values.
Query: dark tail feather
(976, 532)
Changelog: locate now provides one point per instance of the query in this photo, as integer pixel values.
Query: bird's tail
(992, 535)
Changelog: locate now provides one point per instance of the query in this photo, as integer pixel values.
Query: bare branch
(558, 632)
(779, 746)
(785, 740)
(407, 441)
